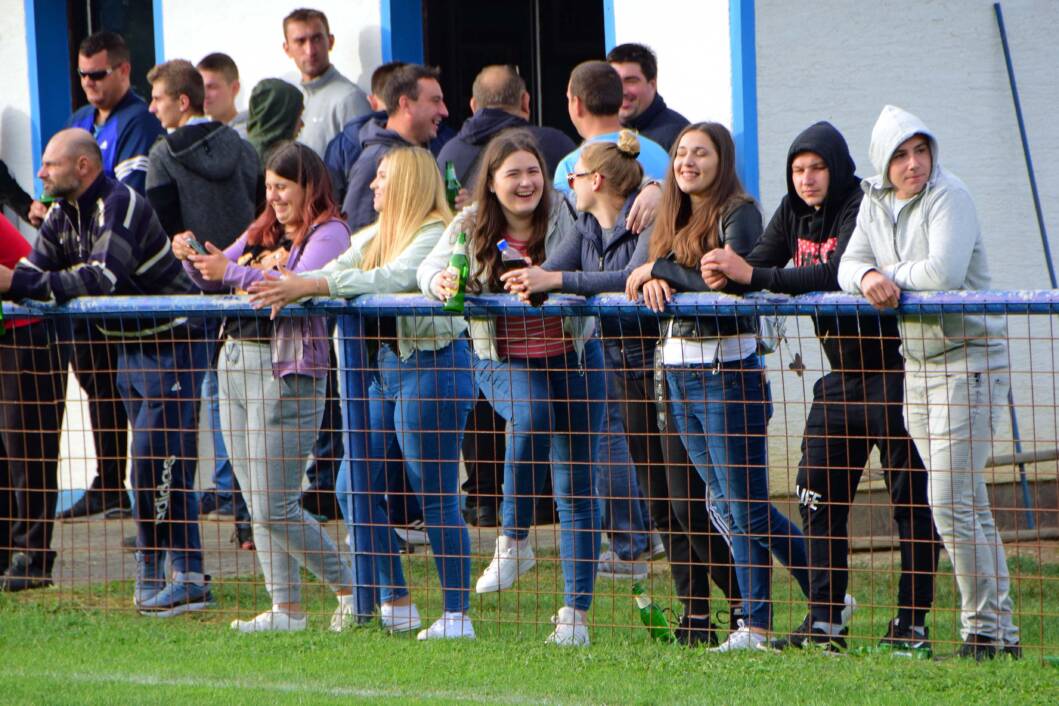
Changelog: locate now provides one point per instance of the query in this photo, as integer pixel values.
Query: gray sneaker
(612, 567)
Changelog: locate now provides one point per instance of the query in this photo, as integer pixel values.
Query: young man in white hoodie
(917, 230)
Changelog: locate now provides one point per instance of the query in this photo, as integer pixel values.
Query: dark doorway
(132, 19)
(545, 39)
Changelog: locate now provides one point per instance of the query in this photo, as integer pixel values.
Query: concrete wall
(15, 134)
(693, 48)
(822, 60)
(255, 38)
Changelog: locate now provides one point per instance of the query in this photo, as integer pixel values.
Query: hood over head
(824, 139)
(274, 110)
(893, 127)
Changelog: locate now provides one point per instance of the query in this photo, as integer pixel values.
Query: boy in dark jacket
(856, 406)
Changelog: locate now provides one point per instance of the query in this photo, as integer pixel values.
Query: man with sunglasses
(124, 130)
(116, 117)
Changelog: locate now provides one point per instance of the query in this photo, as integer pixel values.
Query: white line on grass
(278, 687)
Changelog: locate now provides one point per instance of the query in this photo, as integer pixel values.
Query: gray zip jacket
(934, 244)
(483, 329)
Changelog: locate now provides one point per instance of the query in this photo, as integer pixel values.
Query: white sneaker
(345, 615)
(571, 630)
(274, 620)
(743, 639)
(450, 626)
(511, 559)
(847, 612)
(399, 618)
(611, 566)
(414, 533)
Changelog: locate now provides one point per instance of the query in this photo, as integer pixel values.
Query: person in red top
(32, 402)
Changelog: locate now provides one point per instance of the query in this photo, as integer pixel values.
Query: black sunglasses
(96, 75)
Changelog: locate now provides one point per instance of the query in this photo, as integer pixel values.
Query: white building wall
(692, 43)
(943, 61)
(15, 130)
(252, 34)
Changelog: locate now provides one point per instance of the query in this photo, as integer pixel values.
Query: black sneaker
(905, 641)
(22, 575)
(1012, 650)
(243, 537)
(691, 632)
(805, 636)
(215, 505)
(978, 647)
(114, 503)
(129, 543)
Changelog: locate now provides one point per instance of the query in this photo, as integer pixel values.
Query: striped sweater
(107, 242)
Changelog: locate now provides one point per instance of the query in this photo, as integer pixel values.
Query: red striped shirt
(530, 336)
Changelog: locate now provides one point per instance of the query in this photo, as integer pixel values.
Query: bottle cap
(501, 245)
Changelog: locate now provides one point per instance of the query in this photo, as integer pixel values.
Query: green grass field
(86, 646)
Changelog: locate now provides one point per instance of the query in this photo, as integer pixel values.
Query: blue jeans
(223, 477)
(722, 416)
(623, 515)
(159, 383)
(553, 408)
(422, 403)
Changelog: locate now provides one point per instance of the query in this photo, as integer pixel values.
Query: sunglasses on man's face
(96, 75)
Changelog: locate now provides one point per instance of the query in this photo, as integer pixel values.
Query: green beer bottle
(652, 616)
(452, 184)
(459, 266)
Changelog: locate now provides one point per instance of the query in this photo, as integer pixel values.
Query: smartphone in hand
(197, 246)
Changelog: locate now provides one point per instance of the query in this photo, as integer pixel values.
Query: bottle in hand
(459, 266)
(510, 259)
(452, 184)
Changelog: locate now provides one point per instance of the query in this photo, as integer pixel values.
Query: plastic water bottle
(652, 616)
(510, 259)
(460, 267)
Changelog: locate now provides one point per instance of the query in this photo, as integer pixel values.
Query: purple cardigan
(299, 345)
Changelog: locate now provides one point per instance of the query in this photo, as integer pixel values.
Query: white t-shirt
(707, 351)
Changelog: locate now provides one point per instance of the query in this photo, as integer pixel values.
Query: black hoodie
(815, 240)
(464, 149)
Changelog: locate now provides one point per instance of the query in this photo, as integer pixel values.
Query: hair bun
(628, 144)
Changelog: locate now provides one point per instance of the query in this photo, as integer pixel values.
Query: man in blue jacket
(125, 131)
(102, 238)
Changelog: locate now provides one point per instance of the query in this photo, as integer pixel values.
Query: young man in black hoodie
(856, 406)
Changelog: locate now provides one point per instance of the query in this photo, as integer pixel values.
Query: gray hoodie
(203, 177)
(934, 244)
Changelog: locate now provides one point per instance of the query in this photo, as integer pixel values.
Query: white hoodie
(934, 244)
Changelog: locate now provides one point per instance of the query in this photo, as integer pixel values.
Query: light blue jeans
(554, 408)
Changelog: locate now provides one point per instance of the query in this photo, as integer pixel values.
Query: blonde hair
(616, 161)
(415, 195)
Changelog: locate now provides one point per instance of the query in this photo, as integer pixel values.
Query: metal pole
(1026, 499)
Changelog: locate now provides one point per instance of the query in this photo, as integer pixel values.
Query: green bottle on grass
(651, 615)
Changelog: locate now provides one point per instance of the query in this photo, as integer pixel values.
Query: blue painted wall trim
(159, 32)
(609, 40)
(49, 81)
(744, 91)
(401, 30)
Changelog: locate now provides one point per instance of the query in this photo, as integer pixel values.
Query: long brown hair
(490, 221)
(689, 232)
(296, 162)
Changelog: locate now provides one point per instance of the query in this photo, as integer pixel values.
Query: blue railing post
(353, 385)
